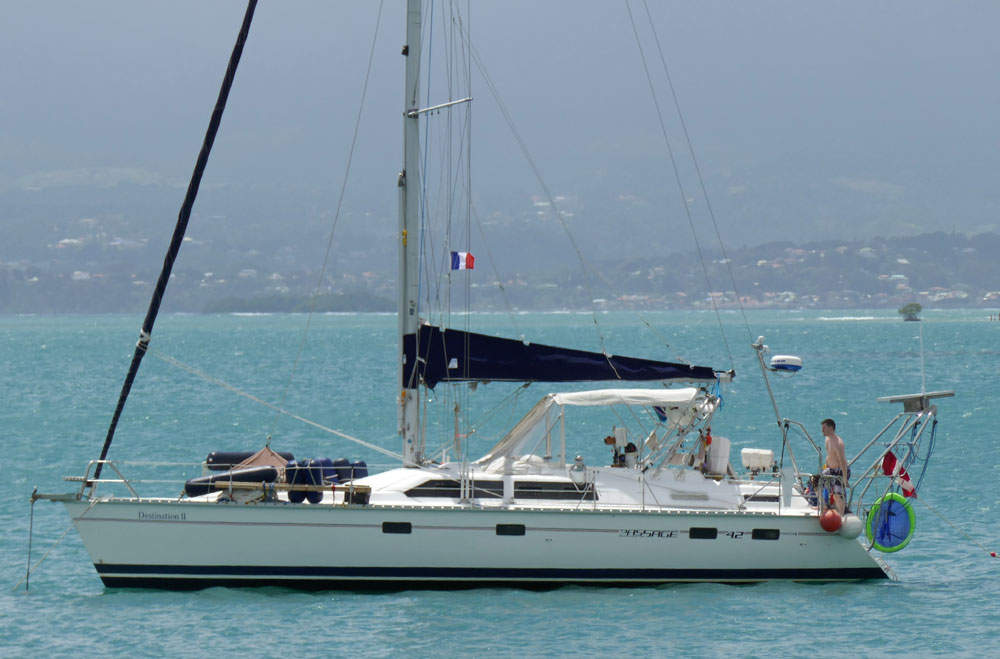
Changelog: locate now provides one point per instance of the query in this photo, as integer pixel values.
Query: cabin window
(766, 534)
(553, 490)
(703, 533)
(451, 489)
(763, 498)
(483, 489)
(397, 527)
(510, 529)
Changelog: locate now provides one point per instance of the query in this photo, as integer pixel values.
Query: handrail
(872, 472)
(876, 438)
(788, 422)
(92, 482)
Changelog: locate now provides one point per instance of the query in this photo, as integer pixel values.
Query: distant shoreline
(837, 313)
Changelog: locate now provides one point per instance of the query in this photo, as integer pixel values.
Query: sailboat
(667, 504)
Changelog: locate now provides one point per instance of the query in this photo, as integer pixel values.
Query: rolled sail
(434, 355)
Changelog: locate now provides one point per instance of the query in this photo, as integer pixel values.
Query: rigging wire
(586, 268)
(438, 271)
(462, 56)
(467, 184)
(927, 457)
(173, 361)
(435, 268)
(425, 244)
(440, 279)
(677, 177)
(510, 400)
(333, 229)
(509, 119)
(954, 526)
(666, 343)
(33, 568)
(453, 164)
(183, 216)
(697, 169)
(31, 533)
(496, 273)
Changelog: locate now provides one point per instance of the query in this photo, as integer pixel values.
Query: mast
(409, 240)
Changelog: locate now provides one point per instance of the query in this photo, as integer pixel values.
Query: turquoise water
(60, 379)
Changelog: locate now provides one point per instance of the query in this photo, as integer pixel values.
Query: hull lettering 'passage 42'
(665, 503)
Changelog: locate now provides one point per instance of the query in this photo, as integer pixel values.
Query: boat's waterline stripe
(226, 574)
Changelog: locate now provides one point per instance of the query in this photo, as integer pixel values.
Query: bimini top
(658, 397)
(679, 405)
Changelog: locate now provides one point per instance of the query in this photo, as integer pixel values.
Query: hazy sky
(809, 119)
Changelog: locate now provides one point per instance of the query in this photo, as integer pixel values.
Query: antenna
(923, 374)
(760, 349)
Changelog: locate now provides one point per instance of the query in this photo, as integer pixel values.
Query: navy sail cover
(458, 356)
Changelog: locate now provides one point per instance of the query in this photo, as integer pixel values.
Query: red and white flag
(893, 467)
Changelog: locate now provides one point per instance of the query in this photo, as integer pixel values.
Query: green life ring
(891, 523)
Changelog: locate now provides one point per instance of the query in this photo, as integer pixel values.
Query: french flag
(462, 261)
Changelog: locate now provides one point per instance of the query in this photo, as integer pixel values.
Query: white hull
(192, 544)
(667, 508)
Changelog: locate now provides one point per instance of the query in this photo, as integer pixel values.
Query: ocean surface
(60, 378)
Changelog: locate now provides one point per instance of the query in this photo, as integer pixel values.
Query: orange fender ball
(830, 521)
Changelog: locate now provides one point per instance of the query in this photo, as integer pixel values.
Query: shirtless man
(836, 465)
